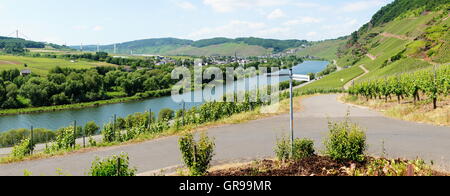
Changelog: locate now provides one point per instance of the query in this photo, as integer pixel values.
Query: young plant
(112, 166)
(303, 148)
(23, 149)
(197, 155)
(346, 141)
(283, 149)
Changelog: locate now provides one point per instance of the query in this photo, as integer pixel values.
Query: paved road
(256, 139)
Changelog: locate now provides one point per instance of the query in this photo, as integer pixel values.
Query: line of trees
(69, 86)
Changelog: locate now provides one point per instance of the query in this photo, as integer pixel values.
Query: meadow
(41, 66)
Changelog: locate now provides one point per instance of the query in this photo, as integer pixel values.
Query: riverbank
(75, 106)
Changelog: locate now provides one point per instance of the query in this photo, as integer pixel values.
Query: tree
(14, 48)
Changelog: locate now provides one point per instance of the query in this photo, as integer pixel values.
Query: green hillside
(404, 36)
(323, 49)
(226, 49)
(216, 46)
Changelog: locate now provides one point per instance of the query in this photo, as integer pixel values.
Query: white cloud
(186, 5)
(344, 26)
(311, 34)
(358, 6)
(278, 13)
(232, 5)
(237, 28)
(98, 28)
(80, 27)
(302, 20)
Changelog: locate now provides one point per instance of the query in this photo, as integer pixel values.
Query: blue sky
(114, 21)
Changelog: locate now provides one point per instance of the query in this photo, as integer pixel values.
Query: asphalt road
(256, 139)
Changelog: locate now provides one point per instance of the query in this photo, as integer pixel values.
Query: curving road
(256, 139)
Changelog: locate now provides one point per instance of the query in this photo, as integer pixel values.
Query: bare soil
(313, 166)
(9, 62)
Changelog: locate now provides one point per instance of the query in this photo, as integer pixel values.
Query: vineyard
(426, 84)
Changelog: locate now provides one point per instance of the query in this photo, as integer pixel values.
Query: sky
(115, 21)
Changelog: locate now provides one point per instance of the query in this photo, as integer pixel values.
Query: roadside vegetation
(344, 155)
(144, 126)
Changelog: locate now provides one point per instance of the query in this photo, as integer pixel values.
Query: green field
(227, 49)
(326, 49)
(41, 66)
(336, 80)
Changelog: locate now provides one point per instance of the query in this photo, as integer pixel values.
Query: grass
(227, 49)
(422, 112)
(326, 49)
(402, 66)
(42, 66)
(336, 80)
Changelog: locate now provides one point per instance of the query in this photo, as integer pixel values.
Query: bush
(166, 114)
(303, 148)
(91, 128)
(346, 142)
(23, 149)
(109, 134)
(112, 166)
(283, 149)
(64, 141)
(197, 156)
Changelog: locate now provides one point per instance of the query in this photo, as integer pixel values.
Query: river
(104, 114)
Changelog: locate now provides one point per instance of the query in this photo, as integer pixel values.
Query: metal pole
(292, 109)
(74, 133)
(84, 138)
(184, 109)
(114, 126)
(118, 166)
(32, 140)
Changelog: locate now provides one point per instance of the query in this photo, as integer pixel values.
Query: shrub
(64, 141)
(346, 141)
(166, 114)
(91, 128)
(283, 148)
(92, 142)
(197, 156)
(23, 149)
(109, 134)
(112, 166)
(303, 148)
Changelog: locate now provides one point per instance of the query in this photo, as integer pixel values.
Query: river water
(104, 114)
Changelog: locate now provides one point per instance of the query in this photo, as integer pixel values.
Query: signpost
(292, 77)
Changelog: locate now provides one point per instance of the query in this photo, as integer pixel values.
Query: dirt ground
(313, 166)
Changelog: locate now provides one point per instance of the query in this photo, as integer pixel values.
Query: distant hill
(404, 36)
(323, 49)
(27, 43)
(216, 46)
